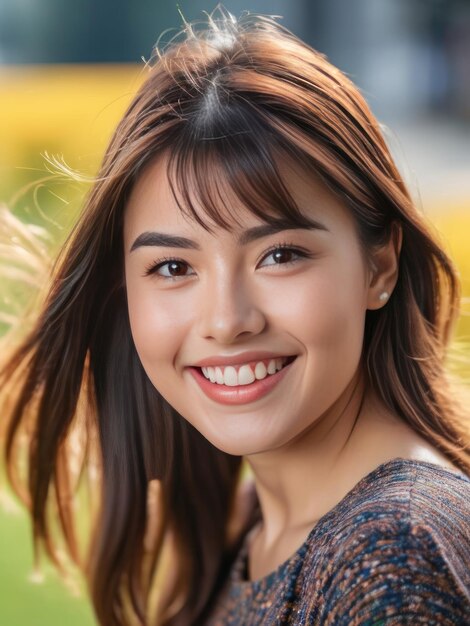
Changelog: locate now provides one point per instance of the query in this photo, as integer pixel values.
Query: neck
(301, 481)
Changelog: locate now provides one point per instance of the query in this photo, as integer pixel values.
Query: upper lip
(238, 359)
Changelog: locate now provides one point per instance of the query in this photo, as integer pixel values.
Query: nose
(230, 311)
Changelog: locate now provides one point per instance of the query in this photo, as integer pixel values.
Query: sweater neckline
(241, 563)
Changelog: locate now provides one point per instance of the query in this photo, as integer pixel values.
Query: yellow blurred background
(67, 110)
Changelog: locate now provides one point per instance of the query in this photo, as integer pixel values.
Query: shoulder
(400, 549)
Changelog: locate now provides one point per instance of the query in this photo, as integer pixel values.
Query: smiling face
(252, 335)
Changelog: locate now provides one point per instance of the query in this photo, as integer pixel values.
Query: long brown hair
(226, 101)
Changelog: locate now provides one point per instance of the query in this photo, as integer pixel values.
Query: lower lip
(241, 394)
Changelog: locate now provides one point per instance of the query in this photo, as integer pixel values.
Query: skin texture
(231, 298)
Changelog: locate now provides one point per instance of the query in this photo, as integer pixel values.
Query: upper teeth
(246, 373)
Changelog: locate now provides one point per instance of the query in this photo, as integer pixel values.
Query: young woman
(249, 287)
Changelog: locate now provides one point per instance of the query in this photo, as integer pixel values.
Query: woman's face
(241, 305)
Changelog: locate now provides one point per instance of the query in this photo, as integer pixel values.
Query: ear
(384, 269)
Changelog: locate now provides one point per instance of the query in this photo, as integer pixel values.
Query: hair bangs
(229, 161)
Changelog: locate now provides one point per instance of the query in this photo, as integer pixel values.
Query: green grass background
(27, 603)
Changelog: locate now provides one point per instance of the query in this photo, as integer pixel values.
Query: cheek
(325, 304)
(158, 324)
(337, 313)
(325, 312)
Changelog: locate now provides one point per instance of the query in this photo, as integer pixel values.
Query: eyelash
(299, 252)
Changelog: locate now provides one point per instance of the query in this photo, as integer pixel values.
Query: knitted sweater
(395, 550)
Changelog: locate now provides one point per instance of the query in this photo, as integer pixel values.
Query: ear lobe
(384, 266)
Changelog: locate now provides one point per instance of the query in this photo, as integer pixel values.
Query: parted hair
(226, 98)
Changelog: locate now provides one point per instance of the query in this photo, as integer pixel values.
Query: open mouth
(246, 373)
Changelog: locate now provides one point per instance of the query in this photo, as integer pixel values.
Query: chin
(235, 449)
(244, 446)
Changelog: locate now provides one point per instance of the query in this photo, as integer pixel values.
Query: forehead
(157, 204)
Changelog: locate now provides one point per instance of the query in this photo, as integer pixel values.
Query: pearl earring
(383, 296)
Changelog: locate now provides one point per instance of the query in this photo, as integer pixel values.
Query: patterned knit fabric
(395, 550)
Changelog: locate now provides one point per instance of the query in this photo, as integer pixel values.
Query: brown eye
(175, 268)
(282, 255)
(170, 268)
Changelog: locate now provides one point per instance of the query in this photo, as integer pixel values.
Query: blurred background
(68, 71)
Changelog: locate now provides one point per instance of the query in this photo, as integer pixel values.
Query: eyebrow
(152, 238)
